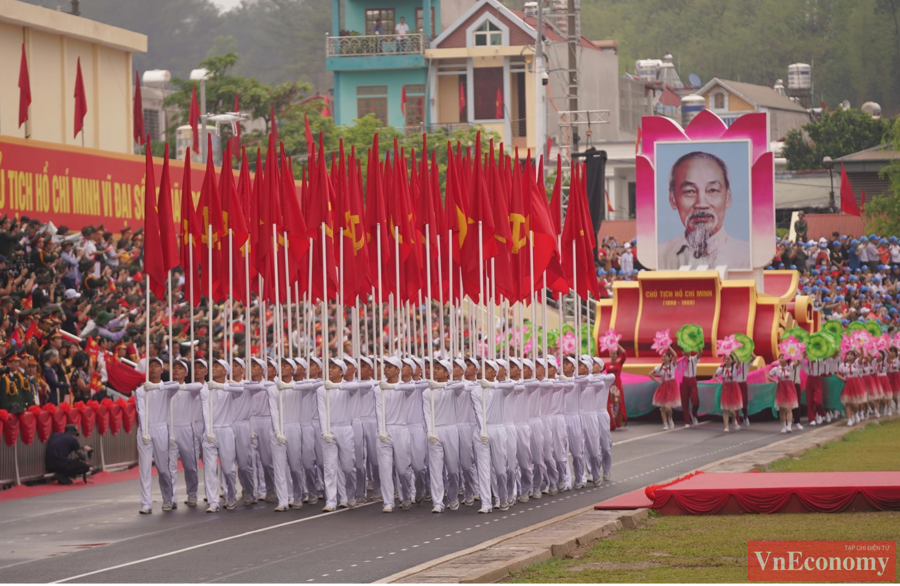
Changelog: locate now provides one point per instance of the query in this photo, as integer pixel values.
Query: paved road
(96, 535)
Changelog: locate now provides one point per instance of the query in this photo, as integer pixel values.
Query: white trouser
(418, 453)
(340, 456)
(243, 450)
(185, 448)
(605, 442)
(370, 431)
(576, 446)
(308, 458)
(524, 457)
(216, 453)
(443, 458)
(262, 427)
(294, 454)
(320, 458)
(591, 427)
(467, 459)
(512, 459)
(158, 449)
(491, 459)
(394, 457)
(549, 455)
(561, 449)
(359, 446)
(537, 453)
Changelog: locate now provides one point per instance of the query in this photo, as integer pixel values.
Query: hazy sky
(226, 4)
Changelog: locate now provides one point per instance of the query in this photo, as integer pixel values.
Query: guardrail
(22, 463)
(387, 44)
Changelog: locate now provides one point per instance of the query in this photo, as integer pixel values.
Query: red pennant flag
(294, 222)
(358, 234)
(403, 100)
(578, 239)
(80, 100)
(498, 114)
(190, 229)
(167, 230)
(376, 220)
(480, 212)
(848, 198)
(320, 216)
(211, 216)
(462, 96)
(137, 111)
(236, 221)
(24, 89)
(194, 121)
(154, 263)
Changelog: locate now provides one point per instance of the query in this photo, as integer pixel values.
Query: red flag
(481, 212)
(80, 100)
(848, 198)
(137, 110)
(376, 219)
(167, 230)
(294, 222)
(154, 263)
(355, 219)
(326, 111)
(24, 89)
(234, 227)
(236, 137)
(211, 210)
(609, 207)
(320, 219)
(194, 121)
(403, 100)
(462, 96)
(862, 201)
(190, 228)
(310, 141)
(578, 239)
(498, 114)
(122, 377)
(237, 222)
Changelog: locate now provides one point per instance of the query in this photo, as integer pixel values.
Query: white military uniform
(559, 433)
(465, 425)
(523, 442)
(153, 439)
(439, 407)
(490, 451)
(243, 438)
(551, 472)
(393, 442)
(418, 442)
(574, 431)
(184, 432)
(218, 441)
(299, 404)
(336, 418)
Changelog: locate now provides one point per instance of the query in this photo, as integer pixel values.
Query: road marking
(198, 546)
(634, 439)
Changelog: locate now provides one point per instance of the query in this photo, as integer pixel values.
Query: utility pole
(540, 94)
(572, 30)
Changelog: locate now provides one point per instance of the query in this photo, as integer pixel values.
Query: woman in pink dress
(615, 402)
(782, 373)
(667, 395)
(853, 396)
(730, 399)
(893, 370)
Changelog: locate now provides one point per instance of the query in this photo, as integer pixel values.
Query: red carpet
(630, 500)
(790, 492)
(53, 487)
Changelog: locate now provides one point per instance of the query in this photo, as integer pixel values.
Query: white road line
(634, 439)
(198, 546)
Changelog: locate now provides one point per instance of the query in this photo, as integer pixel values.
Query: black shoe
(63, 479)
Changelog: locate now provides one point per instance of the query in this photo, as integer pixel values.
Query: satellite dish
(694, 79)
(845, 105)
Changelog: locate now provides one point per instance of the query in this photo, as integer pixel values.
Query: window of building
(632, 199)
(151, 123)
(386, 15)
(420, 25)
(415, 104)
(488, 34)
(719, 101)
(488, 88)
(373, 102)
(371, 90)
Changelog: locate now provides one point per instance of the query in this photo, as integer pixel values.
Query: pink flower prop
(882, 343)
(727, 346)
(609, 341)
(792, 348)
(661, 342)
(568, 343)
(896, 340)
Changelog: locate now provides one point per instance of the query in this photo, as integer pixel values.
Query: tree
(838, 133)
(882, 214)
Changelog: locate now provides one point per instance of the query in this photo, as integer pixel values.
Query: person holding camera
(66, 458)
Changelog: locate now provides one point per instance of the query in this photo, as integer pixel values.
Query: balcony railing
(363, 45)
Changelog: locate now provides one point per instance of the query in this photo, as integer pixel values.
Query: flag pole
(171, 353)
(263, 339)
(397, 279)
(340, 304)
(230, 317)
(531, 288)
(287, 289)
(544, 313)
(441, 300)
(575, 303)
(325, 332)
(247, 327)
(277, 331)
(190, 271)
(310, 313)
(209, 305)
(451, 314)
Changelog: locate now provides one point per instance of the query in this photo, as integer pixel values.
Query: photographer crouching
(66, 457)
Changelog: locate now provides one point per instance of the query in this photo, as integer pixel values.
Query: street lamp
(201, 75)
(829, 164)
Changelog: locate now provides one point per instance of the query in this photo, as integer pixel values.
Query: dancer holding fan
(615, 404)
(782, 373)
(666, 395)
(730, 400)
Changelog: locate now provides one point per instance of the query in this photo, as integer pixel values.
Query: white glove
(383, 437)
(484, 438)
(151, 386)
(172, 441)
(330, 385)
(328, 438)
(486, 384)
(432, 438)
(216, 386)
(387, 386)
(436, 385)
(282, 439)
(282, 386)
(211, 437)
(145, 439)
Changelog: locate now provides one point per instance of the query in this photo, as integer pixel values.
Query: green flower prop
(857, 326)
(835, 339)
(745, 352)
(690, 338)
(873, 328)
(834, 326)
(819, 346)
(799, 333)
